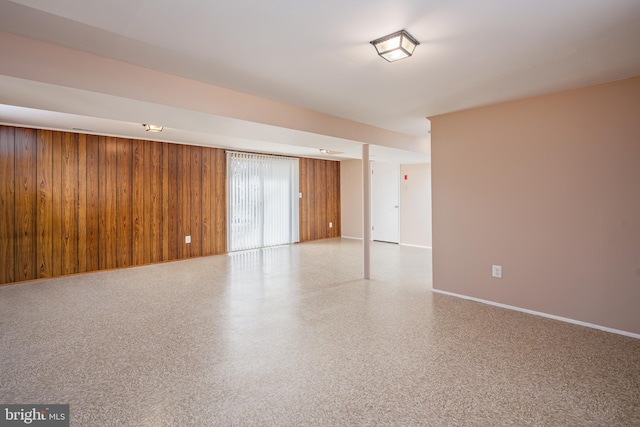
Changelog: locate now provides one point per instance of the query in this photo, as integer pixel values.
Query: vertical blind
(263, 201)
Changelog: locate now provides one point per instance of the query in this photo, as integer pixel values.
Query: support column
(366, 210)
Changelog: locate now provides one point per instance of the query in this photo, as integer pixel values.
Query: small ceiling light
(152, 128)
(330, 152)
(395, 46)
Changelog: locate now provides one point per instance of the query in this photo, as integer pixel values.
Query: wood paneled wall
(72, 203)
(320, 202)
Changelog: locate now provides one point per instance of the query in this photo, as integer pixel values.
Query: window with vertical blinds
(262, 200)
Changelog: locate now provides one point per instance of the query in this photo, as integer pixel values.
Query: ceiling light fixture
(398, 45)
(152, 128)
(330, 152)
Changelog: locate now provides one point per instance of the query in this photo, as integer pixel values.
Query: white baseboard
(401, 244)
(537, 313)
(416, 246)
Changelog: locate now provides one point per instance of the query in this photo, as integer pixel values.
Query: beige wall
(549, 188)
(415, 204)
(38, 67)
(351, 198)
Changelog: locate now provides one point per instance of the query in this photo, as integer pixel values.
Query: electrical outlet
(187, 239)
(496, 271)
(330, 225)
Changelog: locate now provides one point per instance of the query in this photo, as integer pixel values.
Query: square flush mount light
(152, 128)
(395, 46)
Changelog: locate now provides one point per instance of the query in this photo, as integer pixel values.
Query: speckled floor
(291, 336)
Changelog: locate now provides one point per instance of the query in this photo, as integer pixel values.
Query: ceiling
(317, 56)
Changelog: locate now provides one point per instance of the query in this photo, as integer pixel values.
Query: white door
(385, 202)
